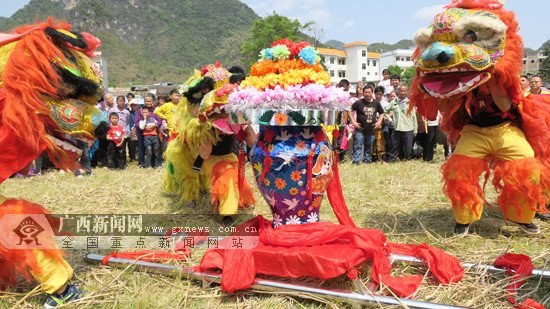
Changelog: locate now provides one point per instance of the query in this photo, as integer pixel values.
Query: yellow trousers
(507, 145)
(223, 172)
(55, 273)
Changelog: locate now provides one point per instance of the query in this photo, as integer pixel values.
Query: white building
(532, 61)
(399, 57)
(355, 63)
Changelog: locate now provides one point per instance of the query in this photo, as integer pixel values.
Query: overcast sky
(377, 21)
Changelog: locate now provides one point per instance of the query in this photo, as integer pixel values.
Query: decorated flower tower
(288, 94)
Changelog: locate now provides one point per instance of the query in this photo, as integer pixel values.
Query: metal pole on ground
(271, 285)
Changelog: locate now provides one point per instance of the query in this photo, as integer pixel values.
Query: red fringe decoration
(461, 177)
(519, 179)
(14, 262)
(28, 77)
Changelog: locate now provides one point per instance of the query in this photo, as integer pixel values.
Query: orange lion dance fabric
(468, 65)
(48, 91)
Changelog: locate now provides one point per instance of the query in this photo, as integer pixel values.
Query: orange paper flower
(280, 183)
(281, 119)
(295, 176)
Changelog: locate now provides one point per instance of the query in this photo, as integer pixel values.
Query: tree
(395, 70)
(544, 68)
(408, 75)
(315, 32)
(266, 31)
(229, 50)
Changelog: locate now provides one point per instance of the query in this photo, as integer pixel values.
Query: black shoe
(543, 217)
(461, 229)
(228, 221)
(530, 228)
(71, 293)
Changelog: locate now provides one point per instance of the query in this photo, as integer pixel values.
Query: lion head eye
(481, 28)
(470, 36)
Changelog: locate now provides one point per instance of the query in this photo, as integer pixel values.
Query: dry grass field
(404, 200)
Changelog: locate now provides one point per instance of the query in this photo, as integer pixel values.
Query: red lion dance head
(48, 91)
(469, 43)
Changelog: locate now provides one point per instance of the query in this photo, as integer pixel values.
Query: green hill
(147, 41)
(382, 47)
(335, 44)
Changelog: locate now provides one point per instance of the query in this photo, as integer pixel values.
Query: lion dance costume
(48, 89)
(200, 120)
(467, 63)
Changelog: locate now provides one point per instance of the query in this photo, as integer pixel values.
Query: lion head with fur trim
(48, 91)
(469, 43)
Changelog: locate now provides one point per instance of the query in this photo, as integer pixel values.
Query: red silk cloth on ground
(322, 250)
(521, 267)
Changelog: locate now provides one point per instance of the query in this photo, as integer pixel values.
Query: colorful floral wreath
(286, 49)
(288, 77)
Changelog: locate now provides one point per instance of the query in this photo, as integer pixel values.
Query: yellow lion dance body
(468, 65)
(199, 122)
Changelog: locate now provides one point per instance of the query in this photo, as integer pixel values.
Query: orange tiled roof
(331, 51)
(373, 55)
(356, 43)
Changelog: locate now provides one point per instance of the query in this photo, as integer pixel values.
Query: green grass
(404, 200)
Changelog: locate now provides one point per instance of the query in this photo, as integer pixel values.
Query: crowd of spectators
(380, 128)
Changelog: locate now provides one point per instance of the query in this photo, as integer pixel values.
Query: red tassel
(310, 172)
(267, 165)
(319, 136)
(242, 157)
(269, 135)
(335, 135)
(241, 135)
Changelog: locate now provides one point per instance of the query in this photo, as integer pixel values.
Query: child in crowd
(115, 137)
(151, 142)
(386, 82)
(166, 111)
(161, 100)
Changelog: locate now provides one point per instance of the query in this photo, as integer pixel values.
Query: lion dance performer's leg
(518, 178)
(461, 175)
(517, 174)
(47, 266)
(223, 172)
(179, 177)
